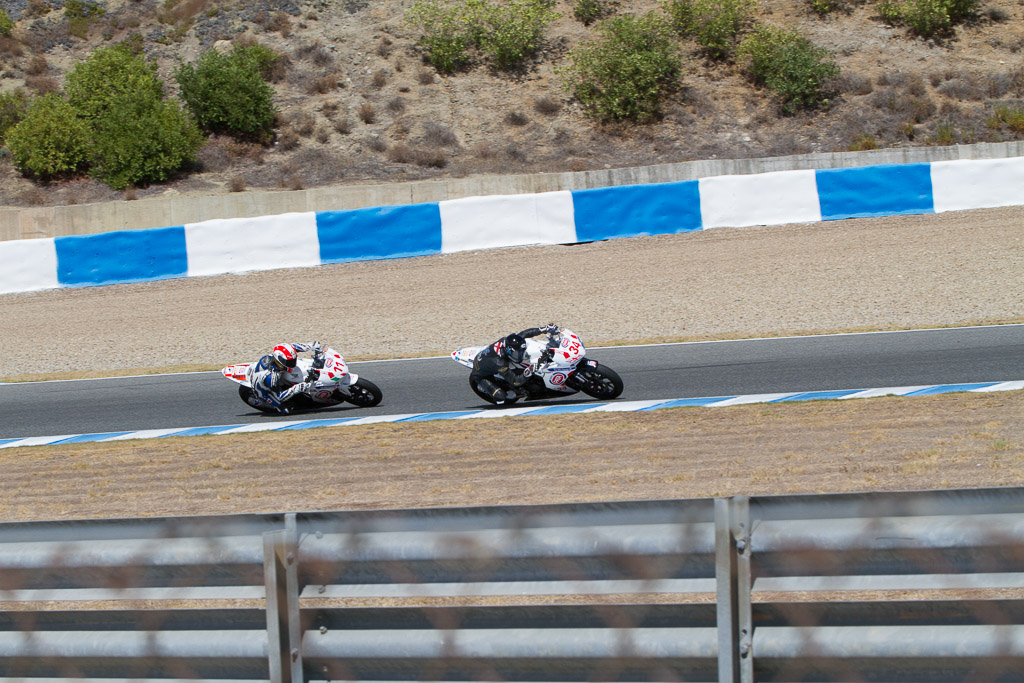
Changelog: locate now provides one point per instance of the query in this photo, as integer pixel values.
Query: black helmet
(515, 348)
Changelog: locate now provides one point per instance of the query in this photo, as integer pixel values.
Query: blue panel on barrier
(122, 256)
(875, 191)
(633, 210)
(379, 232)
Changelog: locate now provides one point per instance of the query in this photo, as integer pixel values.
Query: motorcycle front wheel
(601, 382)
(363, 393)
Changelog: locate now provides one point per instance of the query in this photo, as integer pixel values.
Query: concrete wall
(56, 221)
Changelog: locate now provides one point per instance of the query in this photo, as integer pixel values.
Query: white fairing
(334, 375)
(567, 355)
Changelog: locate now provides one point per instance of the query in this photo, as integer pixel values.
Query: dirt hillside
(357, 104)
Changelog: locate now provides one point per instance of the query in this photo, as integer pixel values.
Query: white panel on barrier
(735, 201)
(237, 245)
(507, 221)
(28, 265)
(977, 184)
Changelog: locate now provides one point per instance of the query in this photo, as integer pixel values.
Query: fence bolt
(323, 630)
(744, 649)
(319, 534)
(290, 558)
(321, 589)
(295, 654)
(741, 544)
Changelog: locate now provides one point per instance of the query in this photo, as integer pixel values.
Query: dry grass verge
(953, 440)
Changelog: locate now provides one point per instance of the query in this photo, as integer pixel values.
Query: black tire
(364, 394)
(601, 382)
(488, 397)
(245, 393)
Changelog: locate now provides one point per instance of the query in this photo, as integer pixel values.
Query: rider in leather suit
(502, 368)
(275, 378)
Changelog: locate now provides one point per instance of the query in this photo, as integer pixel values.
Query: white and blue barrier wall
(309, 239)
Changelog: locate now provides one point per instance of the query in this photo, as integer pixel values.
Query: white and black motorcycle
(558, 368)
(330, 384)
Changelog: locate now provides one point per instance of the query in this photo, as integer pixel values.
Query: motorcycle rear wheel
(363, 393)
(601, 382)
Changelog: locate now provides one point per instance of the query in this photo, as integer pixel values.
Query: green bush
(13, 107)
(226, 94)
(262, 58)
(790, 65)
(623, 72)
(890, 11)
(1011, 117)
(141, 140)
(505, 32)
(823, 7)
(6, 24)
(927, 18)
(51, 140)
(108, 73)
(445, 34)
(78, 9)
(714, 24)
(80, 16)
(589, 11)
(512, 31)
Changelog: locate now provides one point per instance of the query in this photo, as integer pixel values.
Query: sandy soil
(883, 273)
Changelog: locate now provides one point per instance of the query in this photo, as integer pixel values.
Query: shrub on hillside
(623, 72)
(13, 106)
(6, 24)
(789, 65)
(51, 140)
(589, 11)
(927, 18)
(226, 94)
(107, 74)
(512, 31)
(445, 38)
(714, 24)
(265, 60)
(142, 140)
(505, 33)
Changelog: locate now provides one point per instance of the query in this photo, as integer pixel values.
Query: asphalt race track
(853, 361)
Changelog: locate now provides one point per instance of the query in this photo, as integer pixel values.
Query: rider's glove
(315, 347)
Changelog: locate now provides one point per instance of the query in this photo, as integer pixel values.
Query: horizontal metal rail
(481, 562)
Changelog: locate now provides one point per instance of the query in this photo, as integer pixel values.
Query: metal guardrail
(726, 589)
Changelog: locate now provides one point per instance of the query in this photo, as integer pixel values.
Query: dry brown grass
(961, 440)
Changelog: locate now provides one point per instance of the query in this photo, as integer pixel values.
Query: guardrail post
(284, 628)
(732, 573)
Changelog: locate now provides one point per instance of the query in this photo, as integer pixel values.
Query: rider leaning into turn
(275, 378)
(506, 358)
